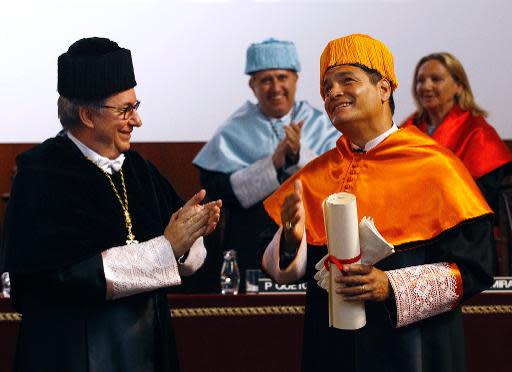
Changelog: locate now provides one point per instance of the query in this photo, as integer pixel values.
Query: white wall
(189, 55)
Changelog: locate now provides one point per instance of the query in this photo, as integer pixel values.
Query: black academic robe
(424, 201)
(490, 185)
(62, 214)
(434, 344)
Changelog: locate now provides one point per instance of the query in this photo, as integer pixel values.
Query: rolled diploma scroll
(342, 230)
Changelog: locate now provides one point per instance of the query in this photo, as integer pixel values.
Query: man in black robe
(94, 234)
(423, 201)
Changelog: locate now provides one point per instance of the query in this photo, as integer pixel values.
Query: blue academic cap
(272, 54)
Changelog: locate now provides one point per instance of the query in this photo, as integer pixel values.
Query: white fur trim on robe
(294, 271)
(255, 182)
(146, 266)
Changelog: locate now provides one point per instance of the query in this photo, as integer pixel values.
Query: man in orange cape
(423, 201)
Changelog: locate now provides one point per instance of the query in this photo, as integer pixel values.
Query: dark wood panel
(174, 161)
(8, 153)
(488, 332)
(250, 330)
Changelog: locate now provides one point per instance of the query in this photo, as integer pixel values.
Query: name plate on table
(267, 285)
(501, 283)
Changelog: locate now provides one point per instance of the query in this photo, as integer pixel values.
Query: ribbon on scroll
(342, 230)
(339, 263)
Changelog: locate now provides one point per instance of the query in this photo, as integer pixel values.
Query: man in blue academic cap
(259, 146)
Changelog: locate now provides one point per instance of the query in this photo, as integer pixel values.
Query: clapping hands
(289, 147)
(192, 221)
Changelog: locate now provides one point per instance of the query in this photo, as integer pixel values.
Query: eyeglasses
(126, 111)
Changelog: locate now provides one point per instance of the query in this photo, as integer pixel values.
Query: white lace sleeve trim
(195, 258)
(141, 267)
(294, 271)
(252, 184)
(423, 291)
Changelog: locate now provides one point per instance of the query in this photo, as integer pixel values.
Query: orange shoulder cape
(471, 138)
(413, 188)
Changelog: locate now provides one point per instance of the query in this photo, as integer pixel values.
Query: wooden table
(264, 332)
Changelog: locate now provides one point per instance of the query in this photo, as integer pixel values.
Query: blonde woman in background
(447, 111)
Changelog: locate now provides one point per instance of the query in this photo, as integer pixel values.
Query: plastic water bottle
(5, 285)
(229, 274)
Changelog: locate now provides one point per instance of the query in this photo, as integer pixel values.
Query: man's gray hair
(69, 110)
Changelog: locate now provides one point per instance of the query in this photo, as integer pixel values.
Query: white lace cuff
(141, 267)
(195, 258)
(294, 271)
(424, 291)
(254, 183)
(305, 156)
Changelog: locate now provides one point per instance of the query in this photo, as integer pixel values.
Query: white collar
(377, 140)
(105, 164)
(285, 119)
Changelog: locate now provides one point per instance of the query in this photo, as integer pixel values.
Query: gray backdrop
(189, 54)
